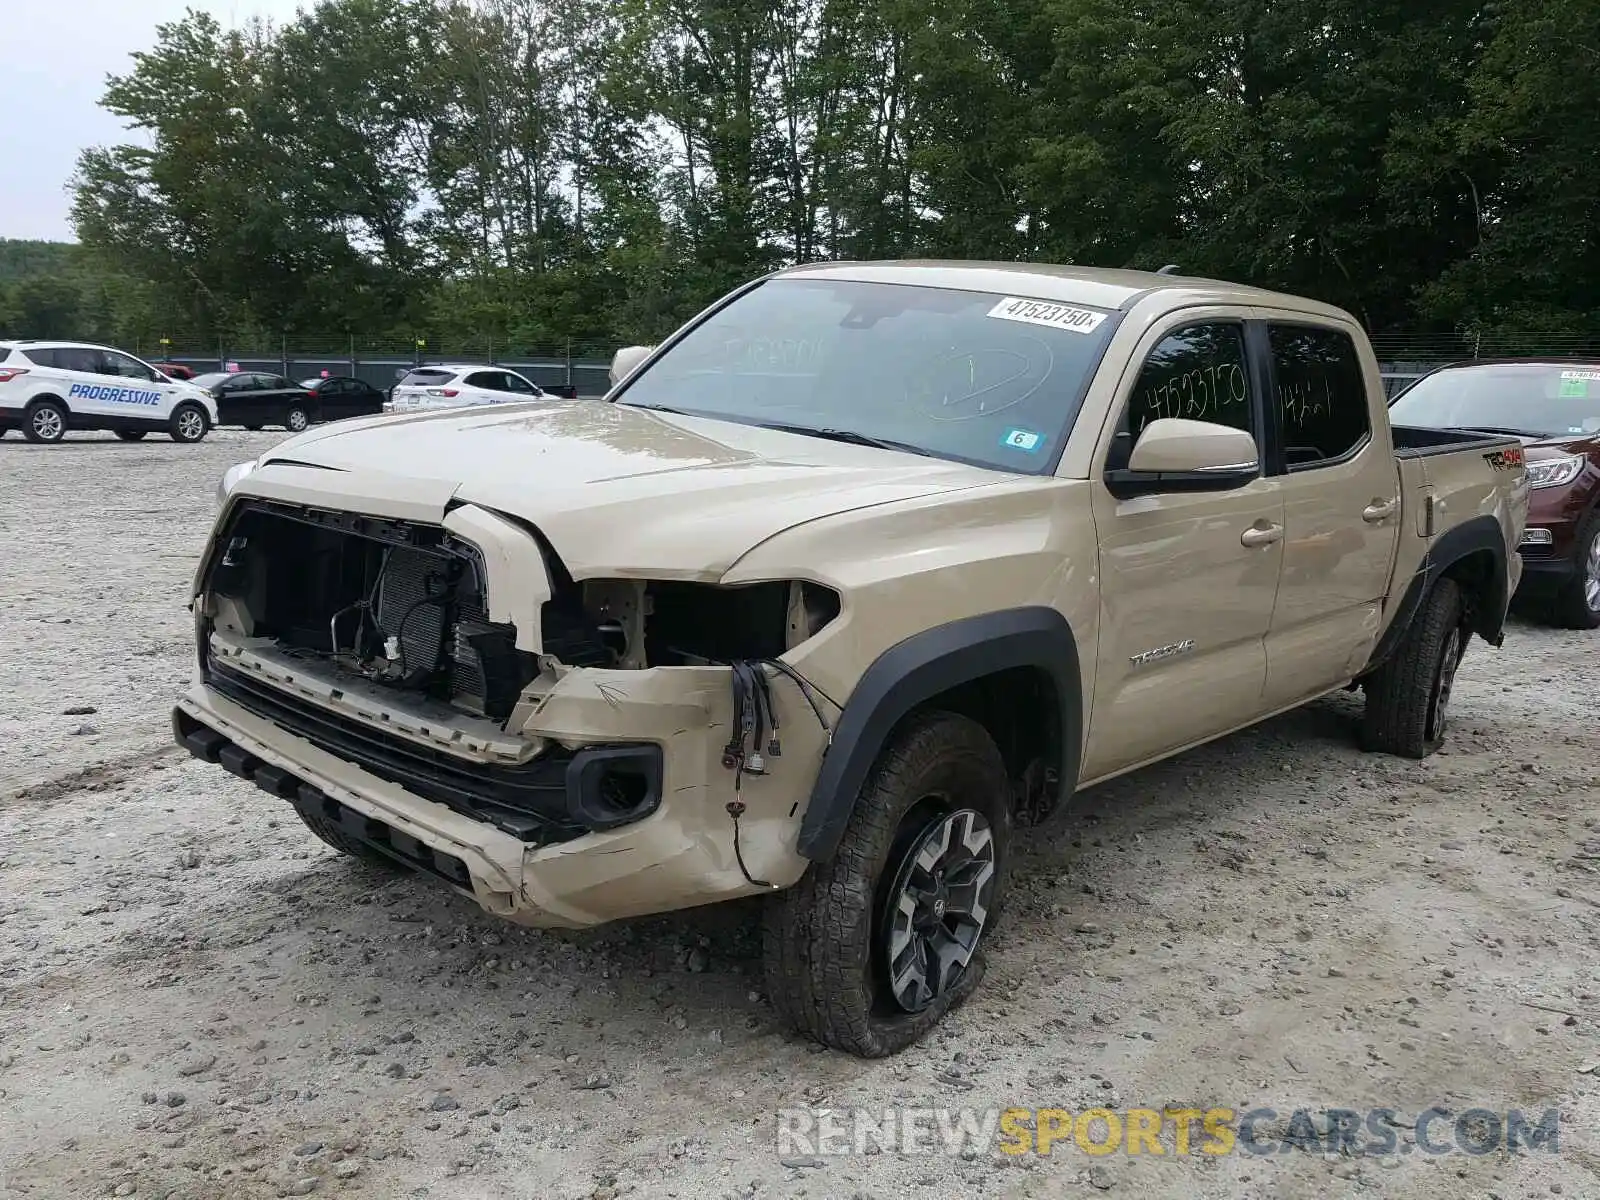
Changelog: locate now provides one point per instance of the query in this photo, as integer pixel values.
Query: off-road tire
(1571, 607)
(1403, 714)
(181, 426)
(53, 431)
(297, 419)
(823, 962)
(345, 844)
(130, 435)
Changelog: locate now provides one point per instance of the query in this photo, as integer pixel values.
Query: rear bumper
(679, 856)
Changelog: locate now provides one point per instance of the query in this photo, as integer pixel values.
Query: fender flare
(1475, 535)
(915, 670)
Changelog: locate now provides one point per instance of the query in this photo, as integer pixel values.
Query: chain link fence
(382, 361)
(1404, 357)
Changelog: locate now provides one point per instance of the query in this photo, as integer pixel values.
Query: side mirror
(626, 359)
(1176, 455)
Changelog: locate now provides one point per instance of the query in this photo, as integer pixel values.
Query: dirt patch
(198, 1000)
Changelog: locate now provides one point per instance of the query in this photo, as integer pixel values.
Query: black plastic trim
(208, 744)
(919, 668)
(1126, 484)
(554, 798)
(1473, 536)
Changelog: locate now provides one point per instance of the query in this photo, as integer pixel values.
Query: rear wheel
(45, 421)
(1408, 698)
(296, 419)
(871, 949)
(130, 435)
(1577, 605)
(188, 423)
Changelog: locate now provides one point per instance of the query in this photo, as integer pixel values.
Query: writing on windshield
(971, 376)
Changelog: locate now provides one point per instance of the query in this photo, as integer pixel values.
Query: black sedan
(255, 399)
(338, 396)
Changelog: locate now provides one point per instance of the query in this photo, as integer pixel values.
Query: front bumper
(679, 856)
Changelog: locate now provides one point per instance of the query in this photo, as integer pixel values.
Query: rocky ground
(198, 1000)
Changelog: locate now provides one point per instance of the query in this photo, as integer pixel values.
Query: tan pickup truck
(865, 569)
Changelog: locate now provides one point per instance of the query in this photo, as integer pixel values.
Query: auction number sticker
(1042, 312)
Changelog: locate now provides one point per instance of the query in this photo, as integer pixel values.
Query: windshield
(1546, 399)
(211, 380)
(976, 377)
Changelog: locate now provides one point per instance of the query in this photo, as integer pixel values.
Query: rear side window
(1319, 393)
(40, 358)
(76, 358)
(492, 381)
(426, 378)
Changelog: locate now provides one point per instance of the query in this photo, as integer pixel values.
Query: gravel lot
(198, 1000)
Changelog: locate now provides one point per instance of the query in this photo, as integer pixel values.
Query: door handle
(1378, 510)
(1261, 535)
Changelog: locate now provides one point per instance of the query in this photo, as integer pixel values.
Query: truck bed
(1413, 441)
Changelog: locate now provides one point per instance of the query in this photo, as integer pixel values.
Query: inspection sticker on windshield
(1022, 439)
(1042, 312)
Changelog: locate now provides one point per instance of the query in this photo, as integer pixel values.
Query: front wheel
(871, 949)
(1408, 698)
(189, 423)
(1577, 605)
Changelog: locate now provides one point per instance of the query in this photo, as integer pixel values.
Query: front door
(1341, 511)
(1187, 580)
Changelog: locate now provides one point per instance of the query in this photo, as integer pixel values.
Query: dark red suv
(1554, 406)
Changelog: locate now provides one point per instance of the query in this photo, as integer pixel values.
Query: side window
(1320, 394)
(490, 380)
(113, 363)
(42, 358)
(516, 383)
(1197, 373)
(72, 358)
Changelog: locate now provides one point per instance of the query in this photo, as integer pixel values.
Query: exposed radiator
(413, 606)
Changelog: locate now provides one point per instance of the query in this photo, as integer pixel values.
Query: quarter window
(1320, 394)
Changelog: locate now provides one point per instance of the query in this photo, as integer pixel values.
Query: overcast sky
(57, 56)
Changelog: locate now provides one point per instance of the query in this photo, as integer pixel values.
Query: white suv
(47, 388)
(460, 385)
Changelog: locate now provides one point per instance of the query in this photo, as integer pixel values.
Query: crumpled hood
(617, 489)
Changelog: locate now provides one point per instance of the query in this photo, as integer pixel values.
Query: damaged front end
(460, 662)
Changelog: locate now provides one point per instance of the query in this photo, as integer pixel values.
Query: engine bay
(404, 607)
(396, 604)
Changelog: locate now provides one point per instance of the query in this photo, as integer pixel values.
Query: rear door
(81, 382)
(1341, 490)
(333, 397)
(249, 399)
(485, 387)
(1187, 579)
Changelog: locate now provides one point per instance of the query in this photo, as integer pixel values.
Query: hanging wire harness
(753, 735)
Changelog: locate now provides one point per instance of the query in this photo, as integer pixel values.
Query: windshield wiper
(1503, 429)
(850, 436)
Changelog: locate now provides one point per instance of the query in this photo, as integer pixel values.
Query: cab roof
(1096, 286)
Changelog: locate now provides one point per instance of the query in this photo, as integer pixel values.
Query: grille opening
(397, 604)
